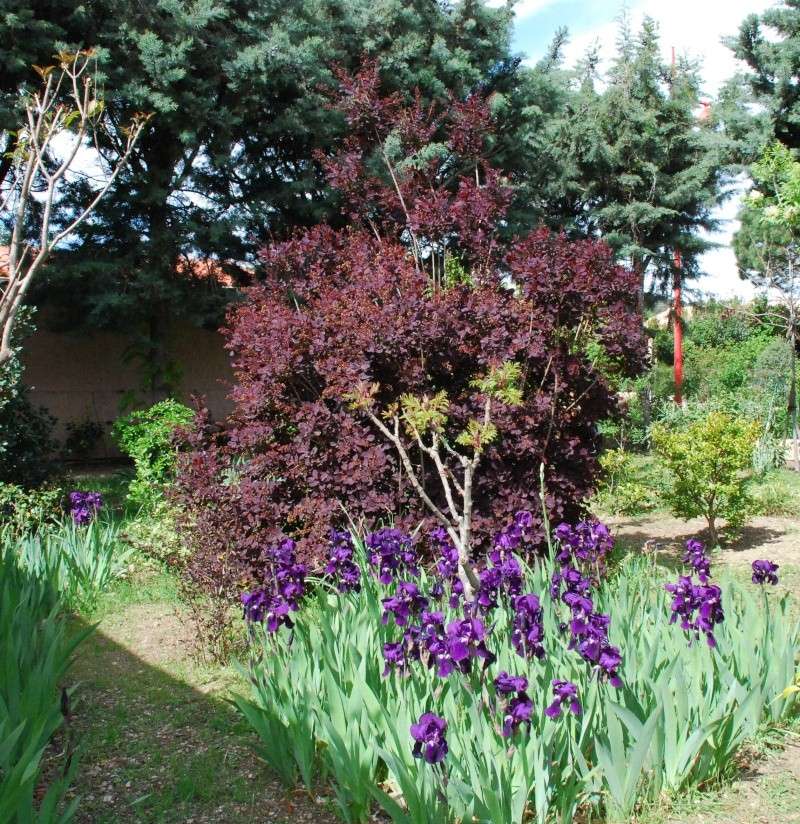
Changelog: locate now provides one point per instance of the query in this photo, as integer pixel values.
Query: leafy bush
(556, 690)
(36, 656)
(147, 436)
(356, 307)
(623, 491)
(709, 461)
(26, 510)
(26, 443)
(154, 533)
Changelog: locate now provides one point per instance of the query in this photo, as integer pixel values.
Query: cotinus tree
(417, 317)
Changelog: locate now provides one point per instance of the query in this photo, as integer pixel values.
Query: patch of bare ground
(765, 537)
(767, 791)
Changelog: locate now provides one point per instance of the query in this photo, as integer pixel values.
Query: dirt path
(775, 538)
(160, 742)
(766, 792)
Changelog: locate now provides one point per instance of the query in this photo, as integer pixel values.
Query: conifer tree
(648, 171)
(769, 44)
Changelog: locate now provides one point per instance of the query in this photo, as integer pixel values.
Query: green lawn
(160, 741)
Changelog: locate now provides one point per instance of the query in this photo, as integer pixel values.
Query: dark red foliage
(372, 303)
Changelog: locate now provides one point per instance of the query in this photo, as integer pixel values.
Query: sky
(695, 28)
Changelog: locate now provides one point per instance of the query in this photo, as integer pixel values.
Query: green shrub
(155, 533)
(36, 653)
(147, 437)
(709, 461)
(26, 442)
(622, 492)
(26, 510)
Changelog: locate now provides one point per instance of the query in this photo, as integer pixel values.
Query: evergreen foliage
(647, 172)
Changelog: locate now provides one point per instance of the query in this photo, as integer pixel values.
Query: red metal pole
(677, 328)
(677, 308)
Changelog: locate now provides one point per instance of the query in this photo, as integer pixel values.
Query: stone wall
(80, 377)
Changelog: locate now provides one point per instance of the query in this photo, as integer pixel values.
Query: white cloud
(692, 27)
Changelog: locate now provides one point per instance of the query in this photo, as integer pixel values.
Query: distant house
(86, 376)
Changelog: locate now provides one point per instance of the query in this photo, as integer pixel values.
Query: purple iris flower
(394, 654)
(697, 606)
(765, 572)
(516, 535)
(590, 638)
(695, 556)
(502, 579)
(465, 640)
(84, 506)
(341, 566)
(573, 583)
(588, 542)
(507, 684)
(285, 587)
(517, 713)
(405, 603)
(392, 554)
(566, 693)
(261, 607)
(527, 629)
(429, 738)
(448, 567)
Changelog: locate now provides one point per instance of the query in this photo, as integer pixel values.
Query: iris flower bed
(560, 686)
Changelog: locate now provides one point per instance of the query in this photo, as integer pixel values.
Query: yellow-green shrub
(709, 461)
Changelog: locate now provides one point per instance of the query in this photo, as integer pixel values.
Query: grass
(160, 740)
(778, 493)
(114, 488)
(775, 494)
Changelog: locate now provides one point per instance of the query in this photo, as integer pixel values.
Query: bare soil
(767, 537)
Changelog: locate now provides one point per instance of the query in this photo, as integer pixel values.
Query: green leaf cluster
(36, 652)
(709, 461)
(147, 437)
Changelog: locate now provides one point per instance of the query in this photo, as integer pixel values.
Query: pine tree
(770, 46)
(237, 89)
(647, 171)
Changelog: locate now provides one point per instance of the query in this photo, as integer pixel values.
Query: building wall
(85, 376)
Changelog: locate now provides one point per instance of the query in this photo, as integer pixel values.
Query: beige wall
(80, 376)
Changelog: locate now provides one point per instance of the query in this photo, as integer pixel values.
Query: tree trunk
(677, 329)
(712, 531)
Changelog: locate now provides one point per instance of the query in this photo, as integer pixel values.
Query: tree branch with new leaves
(68, 103)
(422, 421)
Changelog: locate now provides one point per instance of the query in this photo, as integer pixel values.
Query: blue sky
(693, 27)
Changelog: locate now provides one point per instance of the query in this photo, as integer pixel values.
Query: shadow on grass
(158, 740)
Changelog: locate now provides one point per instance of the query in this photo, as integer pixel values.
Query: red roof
(201, 269)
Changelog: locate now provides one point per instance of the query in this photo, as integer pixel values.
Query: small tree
(424, 420)
(709, 460)
(147, 436)
(472, 358)
(67, 106)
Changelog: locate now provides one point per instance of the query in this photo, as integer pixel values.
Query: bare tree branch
(48, 117)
